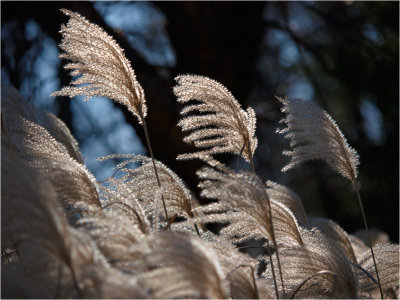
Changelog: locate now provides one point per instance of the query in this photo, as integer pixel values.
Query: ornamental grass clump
(66, 235)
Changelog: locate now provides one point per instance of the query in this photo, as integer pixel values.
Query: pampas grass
(65, 235)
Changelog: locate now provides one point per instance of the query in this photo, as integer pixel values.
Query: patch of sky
(124, 137)
(40, 73)
(288, 54)
(373, 124)
(46, 69)
(301, 19)
(93, 148)
(144, 27)
(99, 111)
(32, 30)
(372, 34)
(276, 37)
(81, 122)
(300, 88)
(101, 129)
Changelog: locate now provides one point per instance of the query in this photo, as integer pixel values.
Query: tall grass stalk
(360, 203)
(273, 233)
(154, 164)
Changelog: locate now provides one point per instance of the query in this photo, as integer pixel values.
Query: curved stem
(366, 273)
(313, 275)
(191, 214)
(272, 232)
(252, 276)
(141, 224)
(356, 188)
(276, 248)
(273, 272)
(240, 154)
(104, 180)
(154, 164)
(75, 281)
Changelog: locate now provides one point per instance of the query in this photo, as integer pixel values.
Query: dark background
(342, 55)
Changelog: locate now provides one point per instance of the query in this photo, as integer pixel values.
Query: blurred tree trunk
(220, 40)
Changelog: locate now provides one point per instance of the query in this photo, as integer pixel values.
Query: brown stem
(75, 281)
(276, 251)
(315, 274)
(142, 226)
(197, 230)
(240, 153)
(273, 272)
(276, 247)
(365, 272)
(251, 158)
(171, 221)
(7, 254)
(252, 276)
(191, 214)
(356, 188)
(272, 231)
(153, 161)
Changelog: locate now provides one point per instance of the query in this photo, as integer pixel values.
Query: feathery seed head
(243, 192)
(100, 66)
(221, 126)
(314, 134)
(142, 181)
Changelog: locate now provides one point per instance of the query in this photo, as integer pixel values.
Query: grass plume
(314, 134)
(102, 69)
(220, 125)
(66, 236)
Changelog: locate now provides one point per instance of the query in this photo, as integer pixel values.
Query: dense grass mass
(142, 233)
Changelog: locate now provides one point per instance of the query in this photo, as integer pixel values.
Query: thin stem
(7, 255)
(142, 226)
(272, 230)
(276, 247)
(240, 154)
(75, 281)
(115, 173)
(368, 236)
(273, 272)
(154, 164)
(171, 221)
(251, 158)
(310, 277)
(252, 276)
(197, 230)
(191, 214)
(365, 272)
(276, 250)
(250, 247)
